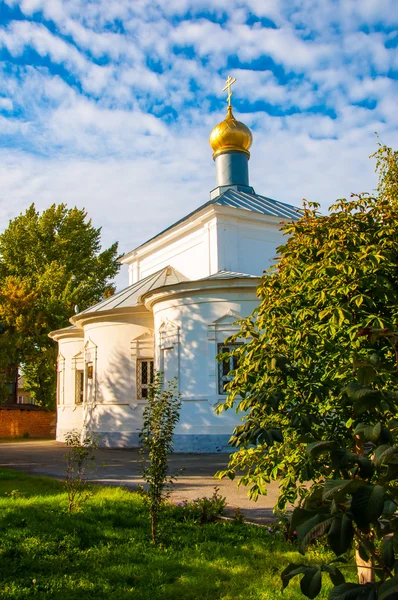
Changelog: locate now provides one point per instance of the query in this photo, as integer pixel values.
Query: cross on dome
(230, 81)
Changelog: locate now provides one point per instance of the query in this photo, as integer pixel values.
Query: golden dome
(230, 134)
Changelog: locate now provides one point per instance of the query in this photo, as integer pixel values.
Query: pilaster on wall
(134, 275)
(169, 351)
(211, 246)
(60, 379)
(217, 332)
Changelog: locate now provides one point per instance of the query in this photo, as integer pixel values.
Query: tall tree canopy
(49, 262)
(335, 283)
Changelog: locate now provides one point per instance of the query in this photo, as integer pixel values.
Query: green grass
(104, 551)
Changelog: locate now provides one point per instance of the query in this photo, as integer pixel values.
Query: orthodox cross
(229, 82)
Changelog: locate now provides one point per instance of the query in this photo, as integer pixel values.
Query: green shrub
(201, 510)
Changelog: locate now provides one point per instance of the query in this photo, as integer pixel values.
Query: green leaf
(311, 583)
(362, 396)
(341, 534)
(385, 452)
(365, 375)
(336, 576)
(317, 449)
(351, 591)
(340, 487)
(375, 432)
(388, 552)
(366, 468)
(299, 516)
(312, 528)
(364, 431)
(367, 504)
(291, 571)
(363, 552)
(389, 589)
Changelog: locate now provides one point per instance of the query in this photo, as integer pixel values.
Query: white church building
(188, 285)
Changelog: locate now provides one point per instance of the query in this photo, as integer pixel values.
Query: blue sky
(109, 105)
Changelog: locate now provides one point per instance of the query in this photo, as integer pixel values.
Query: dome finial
(230, 81)
(230, 135)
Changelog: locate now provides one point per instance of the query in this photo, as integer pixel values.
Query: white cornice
(66, 333)
(196, 220)
(201, 285)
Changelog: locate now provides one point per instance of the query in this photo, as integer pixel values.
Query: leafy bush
(201, 510)
(336, 279)
(355, 505)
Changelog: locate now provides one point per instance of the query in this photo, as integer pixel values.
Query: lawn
(103, 551)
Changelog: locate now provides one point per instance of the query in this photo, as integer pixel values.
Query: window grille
(226, 366)
(145, 374)
(79, 386)
(90, 372)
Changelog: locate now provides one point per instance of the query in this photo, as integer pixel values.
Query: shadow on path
(122, 467)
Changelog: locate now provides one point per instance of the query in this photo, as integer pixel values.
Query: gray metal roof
(129, 297)
(223, 274)
(243, 200)
(257, 203)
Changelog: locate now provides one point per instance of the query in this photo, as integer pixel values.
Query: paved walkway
(121, 467)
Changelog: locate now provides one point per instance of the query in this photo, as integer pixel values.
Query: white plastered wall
(188, 329)
(114, 411)
(69, 414)
(193, 252)
(247, 246)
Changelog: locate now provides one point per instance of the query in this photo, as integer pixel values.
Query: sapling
(80, 459)
(160, 417)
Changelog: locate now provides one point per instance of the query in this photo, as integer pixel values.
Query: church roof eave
(65, 333)
(211, 283)
(127, 300)
(113, 314)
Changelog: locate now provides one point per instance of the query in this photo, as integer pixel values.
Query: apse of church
(188, 285)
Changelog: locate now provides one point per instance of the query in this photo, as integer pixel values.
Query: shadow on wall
(115, 415)
(197, 353)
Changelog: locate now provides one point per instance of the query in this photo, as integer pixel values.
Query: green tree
(354, 505)
(49, 262)
(335, 281)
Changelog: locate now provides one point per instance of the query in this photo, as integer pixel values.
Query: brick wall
(17, 422)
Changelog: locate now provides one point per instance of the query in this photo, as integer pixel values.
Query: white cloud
(121, 114)
(6, 104)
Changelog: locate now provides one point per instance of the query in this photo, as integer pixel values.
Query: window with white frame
(145, 373)
(79, 386)
(225, 366)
